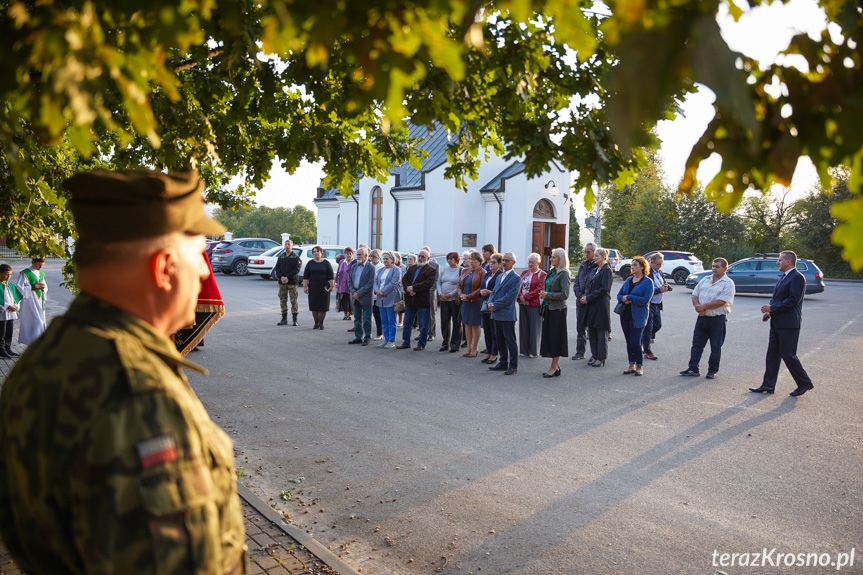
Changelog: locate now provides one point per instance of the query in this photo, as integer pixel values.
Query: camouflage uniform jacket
(109, 463)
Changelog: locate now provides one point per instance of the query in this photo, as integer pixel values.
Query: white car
(676, 265)
(263, 264)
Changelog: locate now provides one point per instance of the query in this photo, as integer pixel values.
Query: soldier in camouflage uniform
(109, 463)
(287, 271)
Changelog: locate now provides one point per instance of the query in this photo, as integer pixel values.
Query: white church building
(419, 207)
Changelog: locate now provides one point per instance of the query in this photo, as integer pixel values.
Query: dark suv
(233, 256)
(760, 273)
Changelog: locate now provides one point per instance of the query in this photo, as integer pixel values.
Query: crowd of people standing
(479, 294)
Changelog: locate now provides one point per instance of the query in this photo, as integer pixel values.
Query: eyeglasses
(508, 260)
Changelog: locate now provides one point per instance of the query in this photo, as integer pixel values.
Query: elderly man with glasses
(417, 283)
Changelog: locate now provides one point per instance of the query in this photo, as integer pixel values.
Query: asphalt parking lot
(420, 462)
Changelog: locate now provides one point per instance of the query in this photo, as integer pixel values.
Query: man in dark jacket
(417, 282)
(287, 271)
(585, 271)
(785, 313)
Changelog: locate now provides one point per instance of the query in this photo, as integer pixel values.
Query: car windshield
(690, 257)
(273, 251)
(223, 245)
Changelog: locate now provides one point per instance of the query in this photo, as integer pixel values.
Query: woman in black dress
(597, 298)
(318, 281)
(554, 342)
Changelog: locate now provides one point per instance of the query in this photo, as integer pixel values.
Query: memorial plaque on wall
(468, 240)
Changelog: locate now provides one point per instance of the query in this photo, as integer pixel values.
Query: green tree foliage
(814, 224)
(647, 215)
(768, 220)
(264, 222)
(230, 85)
(575, 247)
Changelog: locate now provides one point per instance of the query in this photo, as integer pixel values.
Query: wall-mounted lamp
(552, 188)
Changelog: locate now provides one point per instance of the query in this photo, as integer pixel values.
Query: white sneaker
(384, 344)
(390, 345)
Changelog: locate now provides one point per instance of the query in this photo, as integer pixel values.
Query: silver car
(233, 256)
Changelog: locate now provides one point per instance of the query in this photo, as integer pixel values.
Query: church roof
(435, 142)
(496, 183)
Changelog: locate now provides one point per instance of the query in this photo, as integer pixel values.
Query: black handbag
(619, 308)
(543, 310)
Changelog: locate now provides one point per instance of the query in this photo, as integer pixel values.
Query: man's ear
(161, 268)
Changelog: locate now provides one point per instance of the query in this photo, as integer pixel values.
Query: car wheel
(264, 276)
(225, 271)
(624, 272)
(241, 267)
(680, 276)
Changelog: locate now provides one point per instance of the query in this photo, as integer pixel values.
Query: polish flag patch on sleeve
(156, 451)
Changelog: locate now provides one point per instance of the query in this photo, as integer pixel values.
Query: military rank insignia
(156, 451)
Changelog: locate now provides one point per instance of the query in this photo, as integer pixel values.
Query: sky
(761, 33)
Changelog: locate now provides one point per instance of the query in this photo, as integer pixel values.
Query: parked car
(759, 274)
(208, 249)
(614, 258)
(233, 256)
(677, 265)
(263, 264)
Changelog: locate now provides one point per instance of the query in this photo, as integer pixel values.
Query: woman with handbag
(447, 289)
(554, 333)
(597, 299)
(495, 266)
(635, 299)
(529, 322)
(468, 292)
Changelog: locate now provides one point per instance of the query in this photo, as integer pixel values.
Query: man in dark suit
(785, 312)
(417, 282)
(361, 280)
(501, 304)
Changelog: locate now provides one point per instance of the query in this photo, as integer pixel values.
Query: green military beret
(136, 204)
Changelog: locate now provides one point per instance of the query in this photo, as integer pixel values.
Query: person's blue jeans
(410, 313)
(654, 324)
(388, 320)
(362, 321)
(633, 335)
(710, 329)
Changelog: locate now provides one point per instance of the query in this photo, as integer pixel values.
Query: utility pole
(595, 221)
(597, 231)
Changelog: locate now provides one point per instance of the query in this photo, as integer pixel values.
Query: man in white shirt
(712, 301)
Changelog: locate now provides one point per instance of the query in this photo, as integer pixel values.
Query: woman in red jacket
(529, 322)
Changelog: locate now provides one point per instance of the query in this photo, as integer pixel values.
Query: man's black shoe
(578, 356)
(801, 390)
(510, 371)
(499, 367)
(711, 375)
(762, 389)
(12, 353)
(4, 355)
(690, 372)
(365, 342)
(356, 341)
(403, 346)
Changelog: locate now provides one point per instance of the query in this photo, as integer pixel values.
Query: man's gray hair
(791, 256)
(656, 256)
(590, 245)
(361, 249)
(512, 255)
